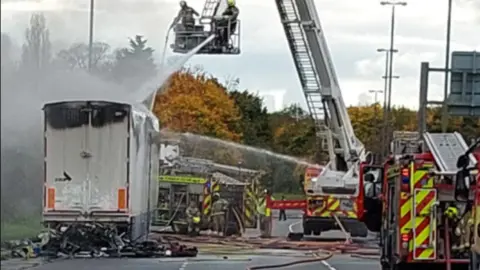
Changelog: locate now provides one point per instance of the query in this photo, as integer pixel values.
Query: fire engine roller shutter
(250, 207)
(423, 215)
(207, 199)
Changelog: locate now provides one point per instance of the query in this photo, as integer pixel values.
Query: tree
(36, 54)
(6, 50)
(367, 124)
(135, 64)
(254, 121)
(294, 133)
(196, 103)
(77, 55)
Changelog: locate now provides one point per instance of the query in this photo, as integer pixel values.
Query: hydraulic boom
(323, 95)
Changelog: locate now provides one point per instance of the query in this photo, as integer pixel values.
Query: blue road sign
(464, 96)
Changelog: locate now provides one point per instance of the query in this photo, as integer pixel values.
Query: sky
(354, 31)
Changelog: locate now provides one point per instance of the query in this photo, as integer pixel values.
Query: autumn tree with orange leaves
(197, 103)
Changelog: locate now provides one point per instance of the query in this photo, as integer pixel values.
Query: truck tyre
(307, 230)
(317, 232)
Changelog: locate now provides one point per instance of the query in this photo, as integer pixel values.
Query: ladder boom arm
(308, 45)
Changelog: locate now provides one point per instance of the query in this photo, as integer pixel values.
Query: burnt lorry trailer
(101, 166)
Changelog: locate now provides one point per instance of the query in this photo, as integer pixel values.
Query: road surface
(208, 263)
(212, 262)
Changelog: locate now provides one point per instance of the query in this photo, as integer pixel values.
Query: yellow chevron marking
(427, 253)
(405, 208)
(420, 237)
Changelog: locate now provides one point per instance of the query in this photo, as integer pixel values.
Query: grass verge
(16, 230)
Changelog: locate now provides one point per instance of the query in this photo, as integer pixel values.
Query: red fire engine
(417, 190)
(318, 211)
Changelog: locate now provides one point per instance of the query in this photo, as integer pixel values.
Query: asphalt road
(205, 262)
(233, 262)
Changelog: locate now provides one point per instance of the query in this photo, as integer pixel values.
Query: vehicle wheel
(359, 232)
(317, 232)
(307, 231)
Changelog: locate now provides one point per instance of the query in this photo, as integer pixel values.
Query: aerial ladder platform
(446, 148)
(320, 86)
(304, 61)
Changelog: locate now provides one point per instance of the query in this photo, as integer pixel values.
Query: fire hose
(174, 214)
(336, 247)
(316, 259)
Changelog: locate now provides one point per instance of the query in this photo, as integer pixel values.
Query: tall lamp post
(375, 116)
(386, 78)
(393, 4)
(90, 36)
(447, 66)
(375, 94)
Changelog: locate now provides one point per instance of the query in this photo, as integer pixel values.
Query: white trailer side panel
(144, 127)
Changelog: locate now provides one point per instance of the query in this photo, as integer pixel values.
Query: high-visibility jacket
(262, 207)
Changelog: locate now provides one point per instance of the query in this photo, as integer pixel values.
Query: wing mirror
(369, 178)
(462, 185)
(463, 161)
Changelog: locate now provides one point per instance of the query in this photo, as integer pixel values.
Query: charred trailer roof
(72, 114)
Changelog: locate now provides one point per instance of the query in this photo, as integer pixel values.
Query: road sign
(464, 96)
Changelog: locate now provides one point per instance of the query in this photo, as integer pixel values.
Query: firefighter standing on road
(462, 226)
(219, 208)
(452, 218)
(264, 213)
(283, 215)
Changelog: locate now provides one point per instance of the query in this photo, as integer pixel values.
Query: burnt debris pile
(100, 240)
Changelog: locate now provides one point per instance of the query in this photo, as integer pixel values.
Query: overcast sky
(354, 30)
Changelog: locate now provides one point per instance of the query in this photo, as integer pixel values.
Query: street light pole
(375, 119)
(393, 4)
(447, 66)
(375, 93)
(386, 78)
(90, 36)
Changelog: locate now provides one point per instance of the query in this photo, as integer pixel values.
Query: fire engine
(419, 184)
(336, 193)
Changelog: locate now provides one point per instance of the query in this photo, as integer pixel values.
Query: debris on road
(98, 240)
(236, 244)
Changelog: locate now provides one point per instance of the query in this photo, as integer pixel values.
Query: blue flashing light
(405, 176)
